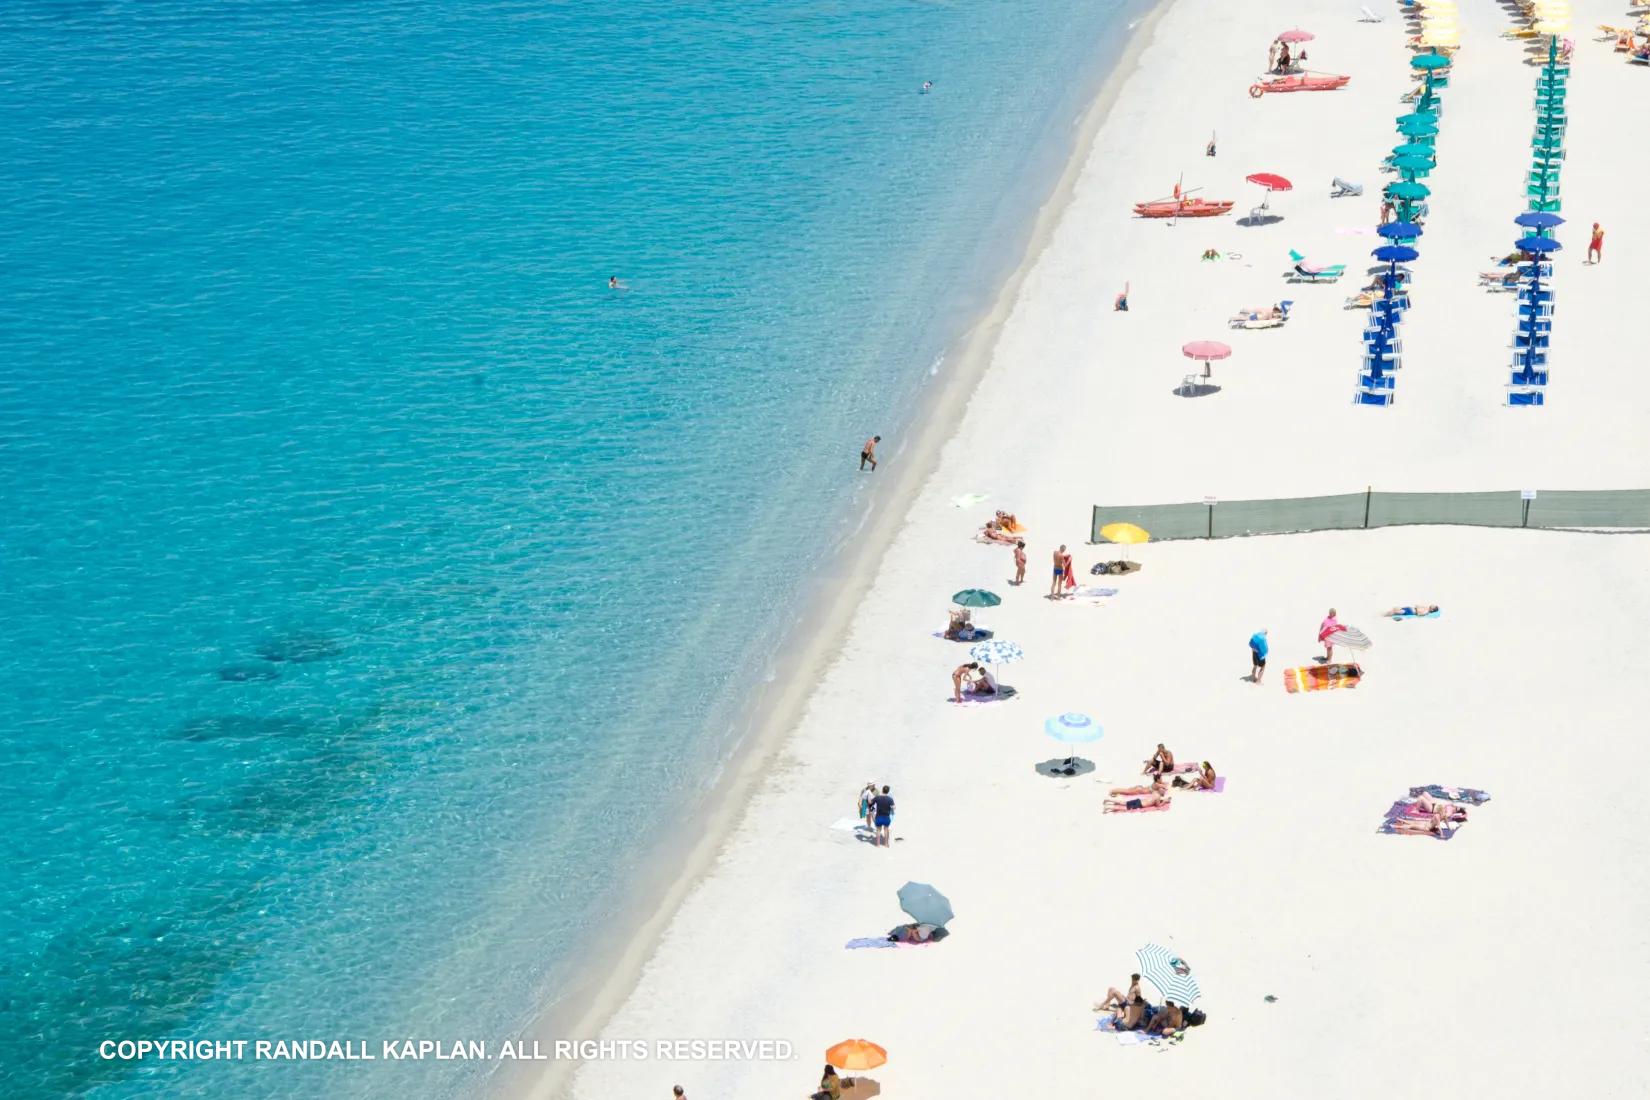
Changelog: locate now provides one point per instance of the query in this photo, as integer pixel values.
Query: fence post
(1211, 533)
(1369, 491)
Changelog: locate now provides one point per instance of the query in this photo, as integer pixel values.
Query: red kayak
(1299, 82)
(1182, 208)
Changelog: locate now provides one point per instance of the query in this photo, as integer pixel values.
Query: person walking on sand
(868, 453)
(1257, 656)
(678, 1094)
(1059, 573)
(1326, 629)
(1019, 561)
(883, 806)
(1121, 304)
(1595, 247)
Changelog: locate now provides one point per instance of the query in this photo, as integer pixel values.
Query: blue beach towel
(870, 942)
(1409, 613)
(1451, 794)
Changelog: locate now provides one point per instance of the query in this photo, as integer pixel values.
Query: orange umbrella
(856, 1054)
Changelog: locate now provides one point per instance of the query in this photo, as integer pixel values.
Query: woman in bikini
(1202, 780)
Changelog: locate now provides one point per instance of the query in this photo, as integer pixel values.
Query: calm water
(372, 580)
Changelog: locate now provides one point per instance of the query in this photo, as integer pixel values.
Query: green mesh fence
(1605, 508)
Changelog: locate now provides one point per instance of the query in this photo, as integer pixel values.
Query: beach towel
(1091, 592)
(968, 499)
(1220, 785)
(979, 634)
(875, 942)
(848, 824)
(1141, 810)
(1409, 613)
(1321, 678)
(1451, 794)
(1004, 693)
(1448, 834)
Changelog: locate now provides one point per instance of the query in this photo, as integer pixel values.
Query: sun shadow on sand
(1199, 389)
(1060, 769)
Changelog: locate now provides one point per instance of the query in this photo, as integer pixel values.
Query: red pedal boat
(1299, 82)
(1182, 208)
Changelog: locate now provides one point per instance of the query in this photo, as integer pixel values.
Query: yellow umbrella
(1434, 38)
(856, 1054)
(1125, 534)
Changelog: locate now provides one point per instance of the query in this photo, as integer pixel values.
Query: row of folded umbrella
(1533, 334)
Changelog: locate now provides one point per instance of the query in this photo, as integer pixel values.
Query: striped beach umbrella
(1073, 728)
(994, 652)
(1350, 637)
(1169, 973)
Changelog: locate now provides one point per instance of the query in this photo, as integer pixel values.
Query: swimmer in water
(927, 86)
(614, 284)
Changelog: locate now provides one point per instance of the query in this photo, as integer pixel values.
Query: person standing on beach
(1019, 561)
(678, 1093)
(883, 806)
(1595, 247)
(1121, 305)
(1257, 655)
(868, 453)
(1059, 572)
(866, 794)
(1326, 630)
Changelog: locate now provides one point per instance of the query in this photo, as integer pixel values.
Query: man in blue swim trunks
(882, 809)
(1257, 655)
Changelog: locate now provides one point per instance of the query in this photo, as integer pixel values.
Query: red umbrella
(1205, 350)
(1296, 35)
(1271, 181)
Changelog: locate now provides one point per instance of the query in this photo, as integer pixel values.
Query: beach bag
(1195, 1017)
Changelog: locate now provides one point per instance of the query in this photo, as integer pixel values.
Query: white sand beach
(1501, 963)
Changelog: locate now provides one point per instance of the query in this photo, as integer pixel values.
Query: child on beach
(1019, 561)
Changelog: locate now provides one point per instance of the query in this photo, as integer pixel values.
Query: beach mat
(979, 636)
(1004, 694)
(1320, 677)
(1090, 592)
(872, 943)
(1451, 794)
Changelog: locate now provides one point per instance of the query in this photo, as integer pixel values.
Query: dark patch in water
(299, 648)
(238, 727)
(240, 674)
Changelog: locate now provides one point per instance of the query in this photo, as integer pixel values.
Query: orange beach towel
(1321, 677)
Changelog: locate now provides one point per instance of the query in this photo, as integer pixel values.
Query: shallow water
(374, 580)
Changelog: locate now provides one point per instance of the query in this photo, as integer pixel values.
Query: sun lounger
(1451, 794)
(1367, 16)
(1371, 397)
(1531, 397)
(1322, 677)
(1312, 273)
(1375, 384)
(1340, 189)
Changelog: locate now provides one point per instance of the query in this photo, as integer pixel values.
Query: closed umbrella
(856, 1054)
(1169, 973)
(976, 597)
(925, 905)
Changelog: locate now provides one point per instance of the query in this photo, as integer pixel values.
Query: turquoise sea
(375, 584)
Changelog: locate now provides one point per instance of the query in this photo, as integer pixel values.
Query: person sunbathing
(1006, 521)
(1154, 787)
(1167, 1020)
(1120, 1001)
(912, 933)
(1434, 825)
(1158, 796)
(993, 532)
(1440, 807)
(1162, 761)
(1409, 610)
(1132, 1016)
(1202, 780)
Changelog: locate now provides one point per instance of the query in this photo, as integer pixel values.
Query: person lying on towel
(1436, 824)
(1155, 787)
(993, 531)
(1157, 796)
(1410, 611)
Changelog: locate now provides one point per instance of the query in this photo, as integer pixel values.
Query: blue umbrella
(1169, 973)
(1396, 254)
(1405, 231)
(1538, 219)
(1073, 728)
(995, 652)
(1539, 245)
(926, 905)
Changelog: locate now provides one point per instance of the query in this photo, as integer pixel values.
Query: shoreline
(773, 716)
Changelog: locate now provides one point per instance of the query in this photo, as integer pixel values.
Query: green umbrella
(1424, 116)
(925, 905)
(1417, 127)
(1429, 61)
(976, 597)
(1408, 189)
(1413, 164)
(1413, 149)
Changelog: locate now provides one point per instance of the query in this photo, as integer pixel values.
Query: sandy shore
(1393, 960)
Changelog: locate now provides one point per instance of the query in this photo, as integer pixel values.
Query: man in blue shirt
(1257, 655)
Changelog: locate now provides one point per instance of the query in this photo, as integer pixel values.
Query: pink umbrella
(1204, 351)
(1296, 35)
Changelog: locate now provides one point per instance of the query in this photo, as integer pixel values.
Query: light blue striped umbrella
(1073, 728)
(1169, 973)
(996, 652)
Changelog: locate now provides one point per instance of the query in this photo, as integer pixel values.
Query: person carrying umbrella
(1328, 627)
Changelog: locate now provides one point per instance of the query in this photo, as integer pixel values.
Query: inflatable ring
(1234, 255)
(1256, 91)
